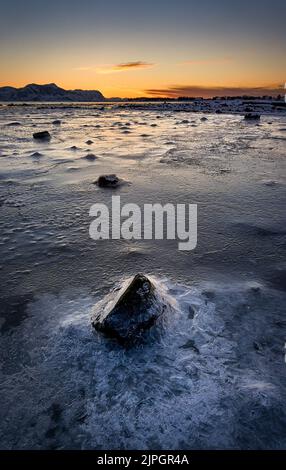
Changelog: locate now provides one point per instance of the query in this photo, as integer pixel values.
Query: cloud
(209, 92)
(124, 67)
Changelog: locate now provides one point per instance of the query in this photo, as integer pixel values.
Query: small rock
(252, 117)
(257, 346)
(204, 118)
(90, 156)
(255, 287)
(57, 122)
(12, 124)
(43, 135)
(36, 155)
(74, 147)
(89, 142)
(270, 183)
(108, 181)
(191, 312)
(190, 344)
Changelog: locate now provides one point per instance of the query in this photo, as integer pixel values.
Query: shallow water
(215, 375)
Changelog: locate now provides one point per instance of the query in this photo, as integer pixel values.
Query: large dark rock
(135, 310)
(43, 135)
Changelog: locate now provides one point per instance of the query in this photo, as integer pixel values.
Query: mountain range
(50, 92)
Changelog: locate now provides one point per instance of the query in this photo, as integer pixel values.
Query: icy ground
(213, 375)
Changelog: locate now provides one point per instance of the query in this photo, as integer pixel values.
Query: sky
(132, 48)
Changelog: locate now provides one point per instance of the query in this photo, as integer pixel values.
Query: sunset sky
(129, 48)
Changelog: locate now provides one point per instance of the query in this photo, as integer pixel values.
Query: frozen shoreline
(217, 106)
(219, 364)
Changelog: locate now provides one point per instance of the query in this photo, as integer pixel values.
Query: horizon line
(181, 91)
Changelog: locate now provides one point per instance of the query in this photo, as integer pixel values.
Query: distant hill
(49, 92)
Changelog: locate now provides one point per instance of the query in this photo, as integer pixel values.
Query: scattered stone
(36, 155)
(190, 344)
(257, 346)
(74, 147)
(42, 135)
(108, 181)
(252, 117)
(204, 118)
(192, 312)
(57, 122)
(12, 124)
(270, 183)
(90, 156)
(89, 142)
(255, 287)
(134, 311)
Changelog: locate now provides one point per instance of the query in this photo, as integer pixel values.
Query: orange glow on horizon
(147, 78)
(171, 91)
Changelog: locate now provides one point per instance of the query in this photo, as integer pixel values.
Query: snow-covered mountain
(50, 92)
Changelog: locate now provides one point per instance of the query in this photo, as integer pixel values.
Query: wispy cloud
(124, 67)
(209, 92)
